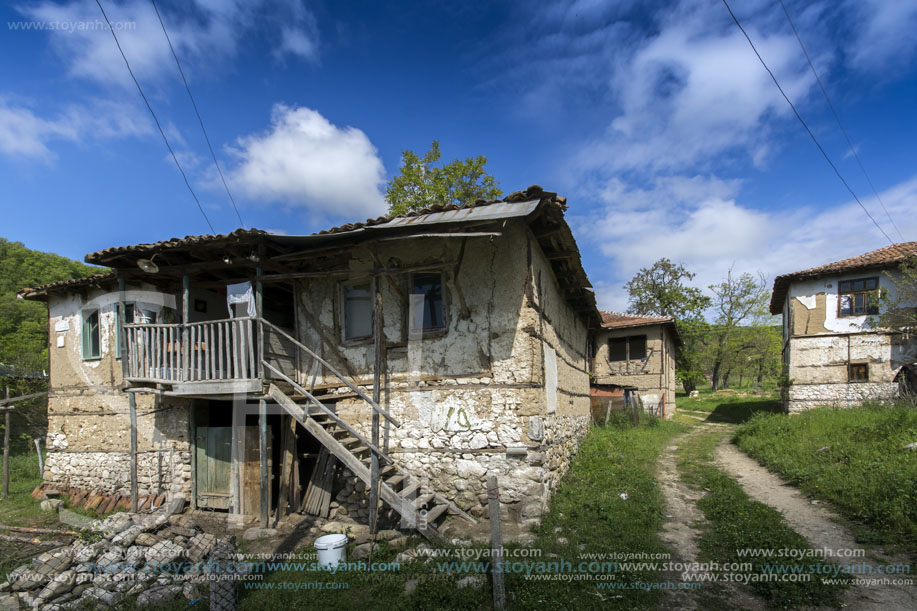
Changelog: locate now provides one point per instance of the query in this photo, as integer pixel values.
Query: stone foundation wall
(157, 472)
(802, 397)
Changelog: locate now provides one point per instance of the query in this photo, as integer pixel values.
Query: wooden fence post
(496, 542)
(6, 449)
(41, 461)
(132, 401)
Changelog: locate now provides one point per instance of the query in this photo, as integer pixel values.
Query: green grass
(586, 508)
(852, 457)
(735, 522)
(20, 509)
(728, 406)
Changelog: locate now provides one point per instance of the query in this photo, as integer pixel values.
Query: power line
(199, 119)
(804, 124)
(155, 119)
(838, 119)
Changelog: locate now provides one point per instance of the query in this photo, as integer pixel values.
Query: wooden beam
(6, 450)
(262, 451)
(132, 401)
(378, 339)
(9, 401)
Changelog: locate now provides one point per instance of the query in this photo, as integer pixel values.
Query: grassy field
(588, 515)
(728, 405)
(735, 522)
(20, 509)
(852, 457)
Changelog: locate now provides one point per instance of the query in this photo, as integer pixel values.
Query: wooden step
(394, 481)
(423, 499)
(435, 512)
(411, 489)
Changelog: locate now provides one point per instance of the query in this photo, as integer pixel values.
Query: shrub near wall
(856, 458)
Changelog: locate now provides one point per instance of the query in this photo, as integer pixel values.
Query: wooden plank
(218, 387)
(285, 465)
(132, 401)
(250, 467)
(262, 450)
(6, 450)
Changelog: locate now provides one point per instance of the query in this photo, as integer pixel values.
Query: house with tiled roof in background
(635, 354)
(832, 355)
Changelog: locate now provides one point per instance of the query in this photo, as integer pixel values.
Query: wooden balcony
(207, 358)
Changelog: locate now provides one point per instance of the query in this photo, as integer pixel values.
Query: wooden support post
(132, 400)
(262, 450)
(496, 542)
(41, 461)
(192, 437)
(185, 331)
(122, 333)
(259, 312)
(234, 450)
(378, 338)
(6, 450)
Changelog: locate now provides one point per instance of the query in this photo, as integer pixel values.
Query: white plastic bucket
(332, 549)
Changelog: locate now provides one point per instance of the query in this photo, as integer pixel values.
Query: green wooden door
(213, 445)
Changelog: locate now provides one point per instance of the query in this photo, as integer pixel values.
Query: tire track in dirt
(818, 525)
(680, 531)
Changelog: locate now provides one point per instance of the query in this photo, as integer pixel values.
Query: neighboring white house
(830, 352)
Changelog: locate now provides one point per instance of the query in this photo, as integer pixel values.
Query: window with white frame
(91, 334)
(357, 310)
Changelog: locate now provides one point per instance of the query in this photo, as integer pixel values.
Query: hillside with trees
(24, 324)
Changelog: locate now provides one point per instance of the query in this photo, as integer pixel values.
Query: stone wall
(806, 396)
(468, 395)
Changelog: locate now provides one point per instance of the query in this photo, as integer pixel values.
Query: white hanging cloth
(240, 293)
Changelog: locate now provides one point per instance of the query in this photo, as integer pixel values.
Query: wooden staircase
(419, 506)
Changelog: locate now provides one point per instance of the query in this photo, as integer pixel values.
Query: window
(358, 310)
(858, 297)
(91, 334)
(427, 302)
(858, 372)
(627, 348)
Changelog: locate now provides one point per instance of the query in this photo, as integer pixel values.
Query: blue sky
(654, 119)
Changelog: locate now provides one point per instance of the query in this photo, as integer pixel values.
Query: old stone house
(421, 352)
(637, 353)
(831, 352)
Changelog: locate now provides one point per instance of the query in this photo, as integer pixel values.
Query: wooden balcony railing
(201, 351)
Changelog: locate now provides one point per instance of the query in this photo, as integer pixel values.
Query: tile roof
(890, 256)
(41, 292)
(619, 320)
(614, 320)
(239, 236)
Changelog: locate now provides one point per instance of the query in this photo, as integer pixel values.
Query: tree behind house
(661, 290)
(737, 300)
(421, 183)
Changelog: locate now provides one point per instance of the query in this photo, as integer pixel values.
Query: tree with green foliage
(661, 290)
(24, 324)
(421, 183)
(737, 300)
(899, 305)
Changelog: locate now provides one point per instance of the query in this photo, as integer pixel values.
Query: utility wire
(838, 119)
(155, 119)
(199, 119)
(804, 124)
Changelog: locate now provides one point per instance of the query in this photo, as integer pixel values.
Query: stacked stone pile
(154, 557)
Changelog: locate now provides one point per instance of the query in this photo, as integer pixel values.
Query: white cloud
(303, 160)
(701, 223)
(204, 32)
(24, 134)
(885, 33)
